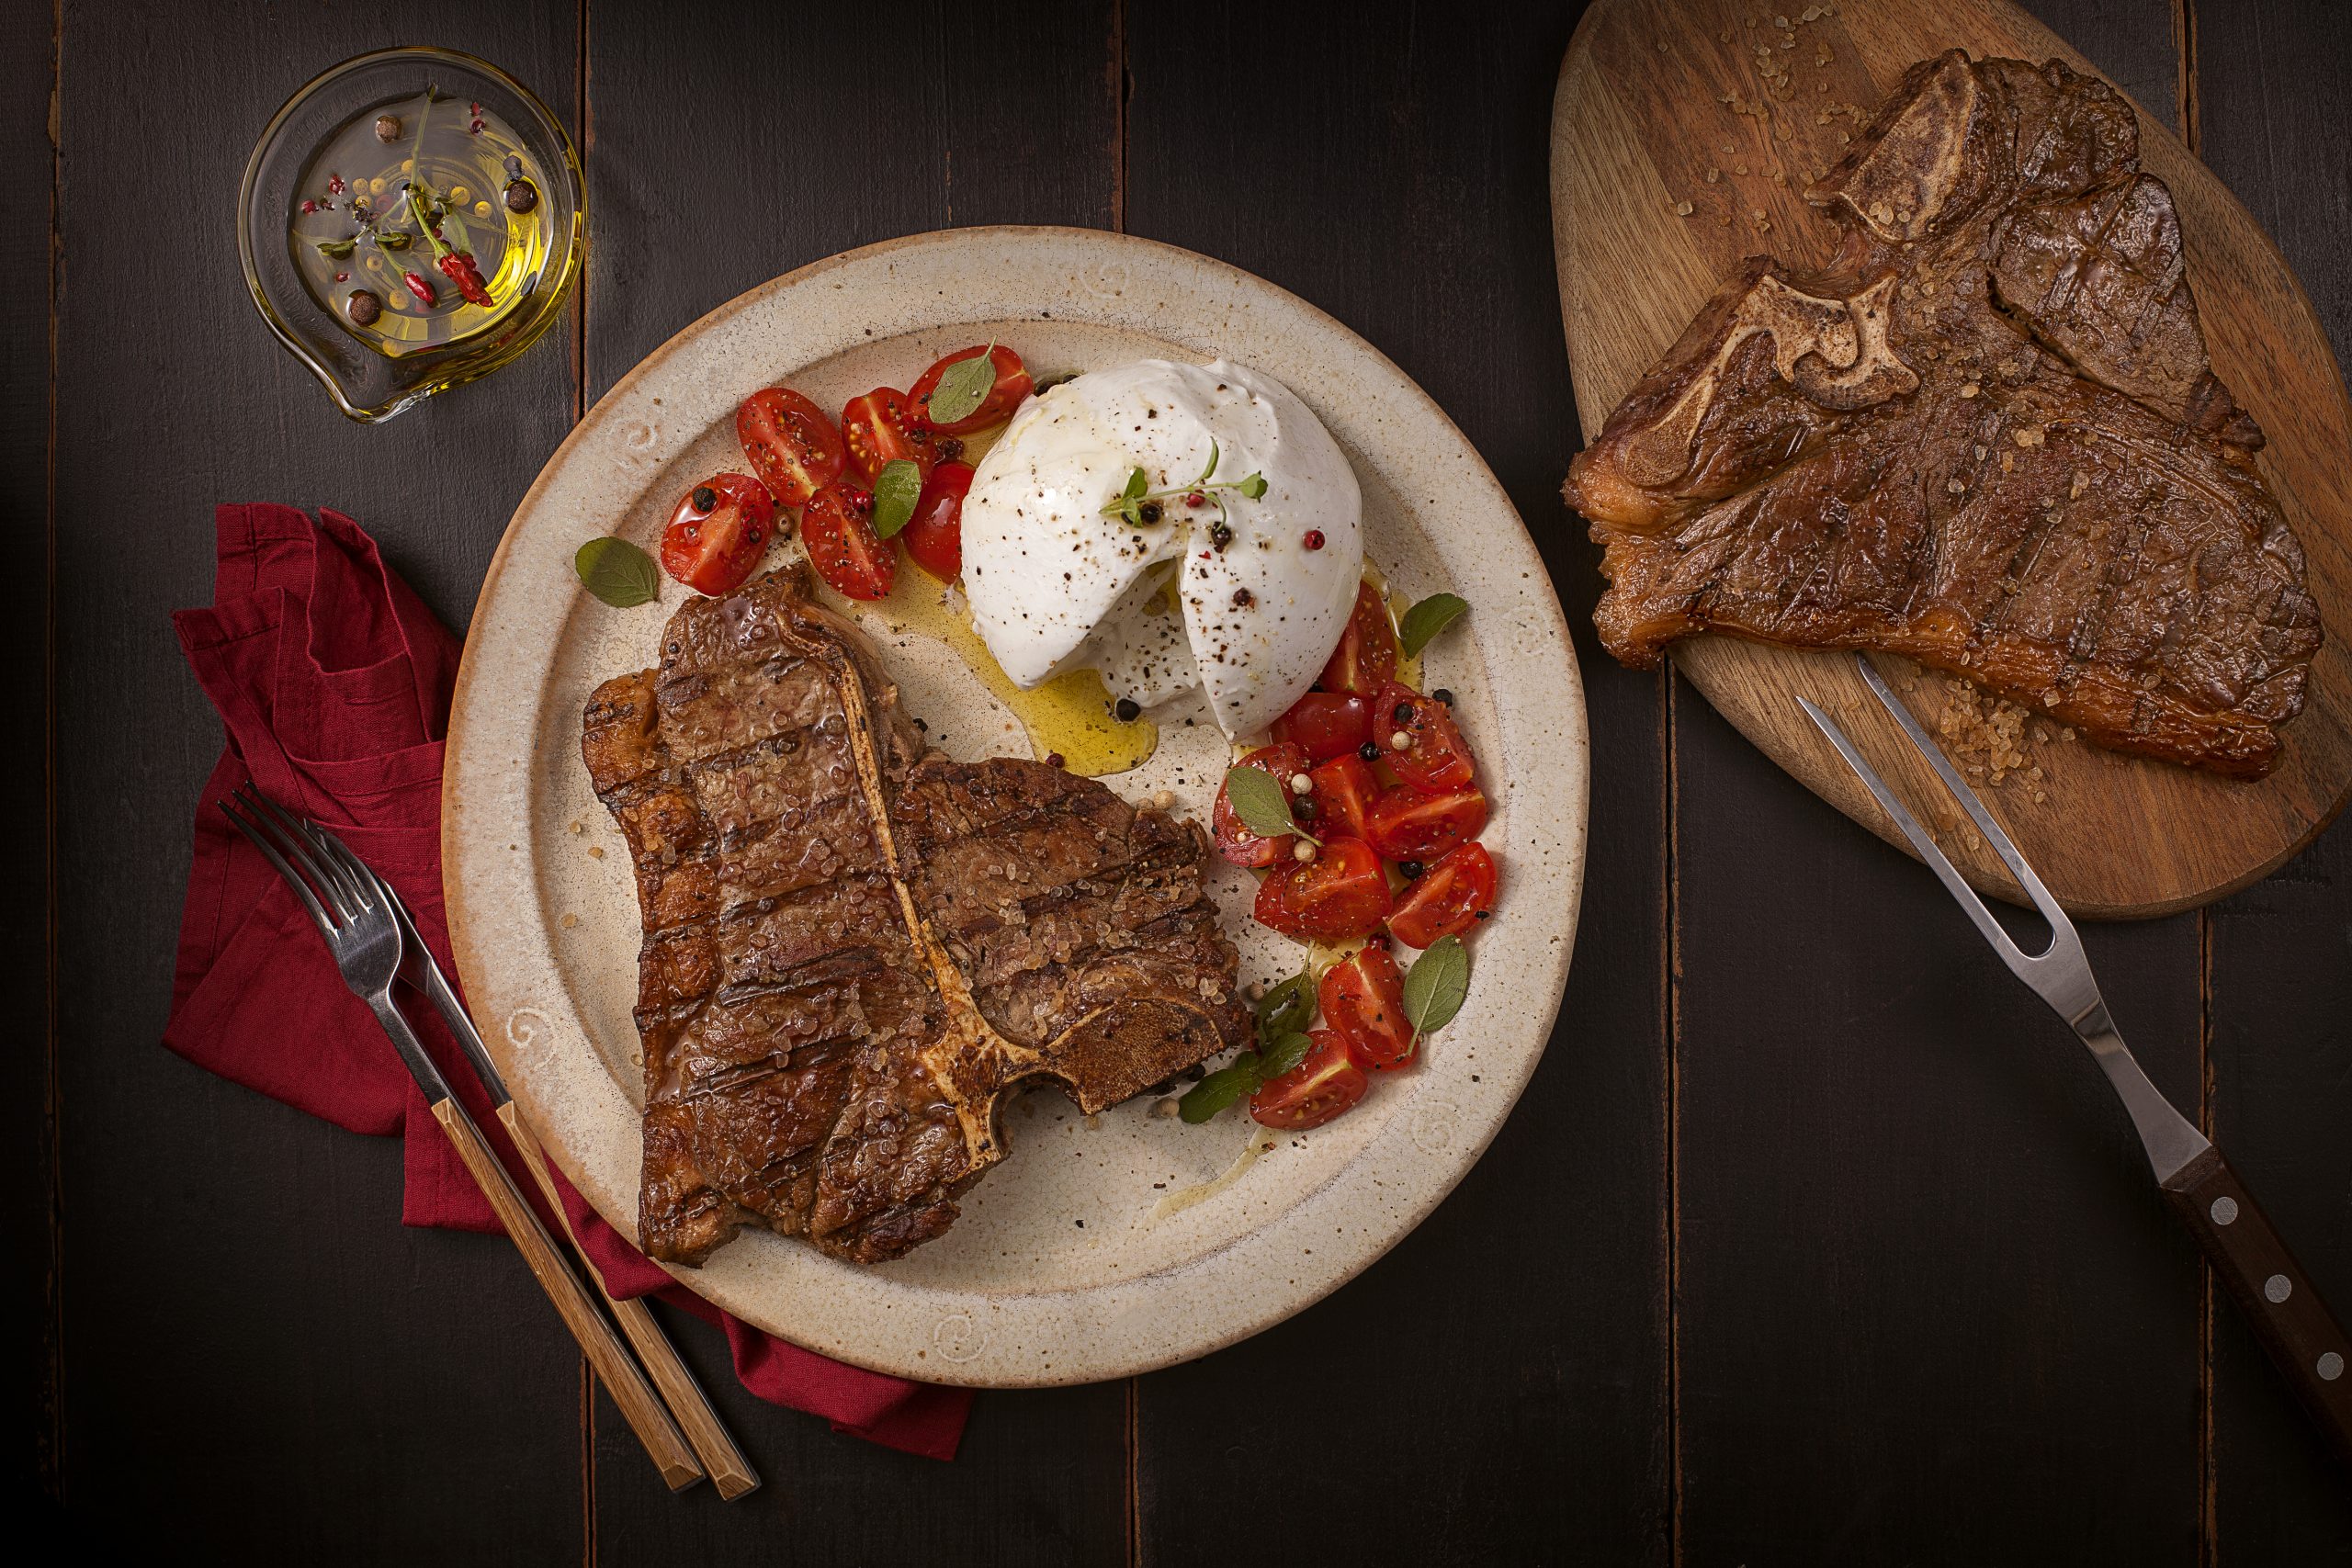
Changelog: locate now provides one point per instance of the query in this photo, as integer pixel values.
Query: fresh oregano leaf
(1283, 1055)
(963, 387)
(1212, 465)
(1287, 1008)
(1425, 619)
(1220, 1089)
(896, 490)
(452, 230)
(617, 572)
(1138, 487)
(1261, 801)
(1253, 487)
(1435, 985)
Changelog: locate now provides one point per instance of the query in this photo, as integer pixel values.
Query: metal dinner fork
(730, 1472)
(2302, 1336)
(358, 919)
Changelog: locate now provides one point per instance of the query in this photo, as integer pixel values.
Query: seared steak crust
(853, 949)
(1987, 437)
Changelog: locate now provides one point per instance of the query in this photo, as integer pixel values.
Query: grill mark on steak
(1985, 435)
(854, 949)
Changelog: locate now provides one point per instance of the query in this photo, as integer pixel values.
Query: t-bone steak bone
(853, 947)
(1985, 435)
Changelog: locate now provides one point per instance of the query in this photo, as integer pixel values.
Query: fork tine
(271, 820)
(372, 888)
(1970, 802)
(2019, 961)
(348, 893)
(301, 888)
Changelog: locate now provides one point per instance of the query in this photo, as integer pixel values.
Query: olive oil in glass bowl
(411, 219)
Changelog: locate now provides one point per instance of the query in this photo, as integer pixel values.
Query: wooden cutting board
(1669, 140)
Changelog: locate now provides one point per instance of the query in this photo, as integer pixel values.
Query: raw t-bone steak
(1985, 435)
(853, 947)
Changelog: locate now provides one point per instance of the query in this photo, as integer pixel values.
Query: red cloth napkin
(333, 680)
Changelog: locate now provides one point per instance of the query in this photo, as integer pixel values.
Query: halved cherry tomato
(789, 443)
(1406, 824)
(837, 530)
(882, 427)
(1326, 724)
(1343, 793)
(1322, 1086)
(1363, 999)
(719, 533)
(1433, 758)
(1238, 843)
(1342, 893)
(1011, 385)
(1452, 897)
(1366, 657)
(934, 534)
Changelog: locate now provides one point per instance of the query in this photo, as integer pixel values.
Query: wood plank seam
(1670, 1032)
(50, 1439)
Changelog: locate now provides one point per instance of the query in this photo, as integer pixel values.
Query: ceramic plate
(1104, 1245)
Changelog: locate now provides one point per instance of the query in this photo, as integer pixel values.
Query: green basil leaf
(1261, 800)
(1283, 1055)
(1425, 619)
(963, 387)
(1220, 1089)
(1435, 985)
(617, 572)
(1211, 468)
(896, 490)
(1287, 1008)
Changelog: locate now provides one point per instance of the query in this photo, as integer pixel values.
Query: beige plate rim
(1270, 1264)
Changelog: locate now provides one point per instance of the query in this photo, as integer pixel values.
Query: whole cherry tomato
(789, 443)
(837, 530)
(934, 534)
(1433, 757)
(1452, 897)
(718, 534)
(1342, 893)
(1012, 385)
(1321, 1087)
(1343, 793)
(1326, 724)
(882, 427)
(1366, 657)
(1238, 843)
(1408, 825)
(1363, 999)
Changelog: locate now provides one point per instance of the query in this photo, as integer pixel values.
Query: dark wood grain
(1494, 1390)
(2274, 92)
(880, 123)
(256, 1353)
(1781, 1070)
(27, 1126)
(1920, 1262)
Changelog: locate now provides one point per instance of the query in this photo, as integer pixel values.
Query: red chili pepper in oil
(418, 286)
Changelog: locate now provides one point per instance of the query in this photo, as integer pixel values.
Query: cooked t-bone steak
(1985, 435)
(854, 949)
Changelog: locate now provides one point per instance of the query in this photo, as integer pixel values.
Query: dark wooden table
(1815, 1240)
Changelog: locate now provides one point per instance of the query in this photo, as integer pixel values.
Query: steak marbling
(1985, 435)
(854, 948)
